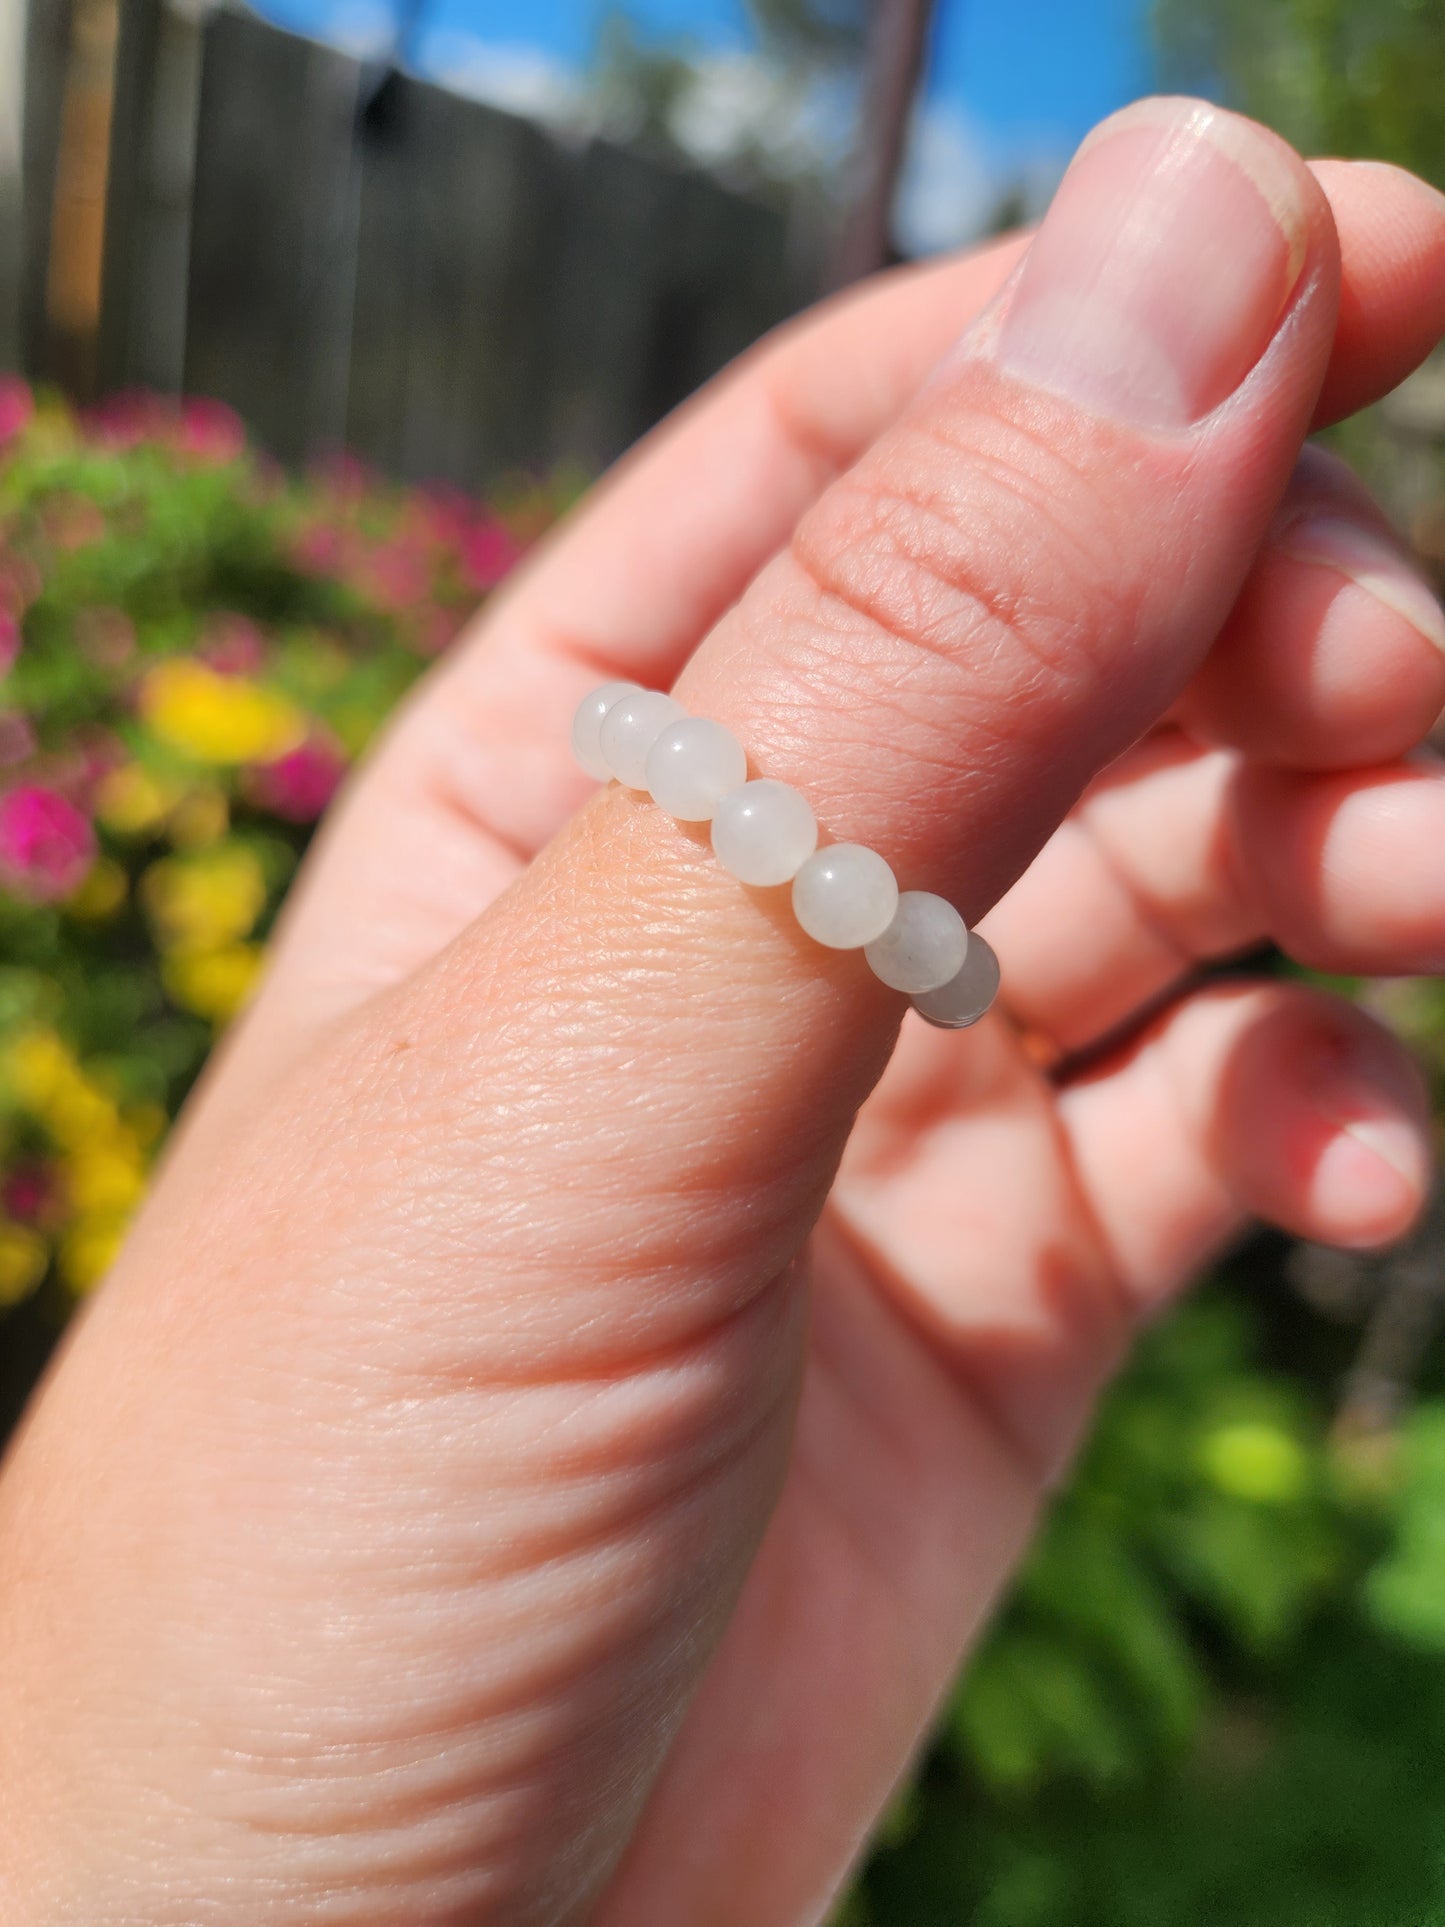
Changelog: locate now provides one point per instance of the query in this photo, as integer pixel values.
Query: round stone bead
(924, 946)
(967, 997)
(587, 724)
(764, 832)
(630, 728)
(692, 766)
(845, 896)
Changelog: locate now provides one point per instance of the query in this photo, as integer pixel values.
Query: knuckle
(978, 542)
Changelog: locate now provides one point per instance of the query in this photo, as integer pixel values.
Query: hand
(571, 1398)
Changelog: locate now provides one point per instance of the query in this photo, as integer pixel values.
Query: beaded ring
(765, 834)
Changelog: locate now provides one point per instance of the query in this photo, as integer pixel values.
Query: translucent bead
(845, 896)
(692, 766)
(587, 723)
(924, 946)
(630, 728)
(764, 832)
(967, 996)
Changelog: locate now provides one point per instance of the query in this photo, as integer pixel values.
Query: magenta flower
(17, 405)
(126, 419)
(210, 430)
(488, 552)
(9, 641)
(298, 786)
(29, 1193)
(46, 845)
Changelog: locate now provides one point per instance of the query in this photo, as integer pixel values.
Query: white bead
(968, 996)
(845, 896)
(924, 946)
(630, 728)
(692, 766)
(587, 723)
(764, 832)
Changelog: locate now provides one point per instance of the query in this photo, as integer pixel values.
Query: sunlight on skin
(454, 1492)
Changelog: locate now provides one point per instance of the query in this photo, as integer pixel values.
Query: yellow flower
(77, 1113)
(36, 1065)
(205, 899)
(101, 894)
(218, 719)
(88, 1250)
(129, 801)
(23, 1258)
(201, 818)
(105, 1176)
(212, 983)
(1255, 1461)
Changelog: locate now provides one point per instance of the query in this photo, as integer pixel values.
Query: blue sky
(1013, 84)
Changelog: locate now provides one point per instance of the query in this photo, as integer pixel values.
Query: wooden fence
(352, 257)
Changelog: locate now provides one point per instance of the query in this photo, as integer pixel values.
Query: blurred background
(313, 317)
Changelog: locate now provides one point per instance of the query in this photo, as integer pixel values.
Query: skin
(583, 1376)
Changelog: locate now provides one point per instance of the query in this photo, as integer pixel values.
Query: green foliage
(834, 27)
(1407, 1590)
(1350, 77)
(1217, 1695)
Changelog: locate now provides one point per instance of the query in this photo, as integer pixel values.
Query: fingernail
(1163, 267)
(1375, 1168)
(1371, 560)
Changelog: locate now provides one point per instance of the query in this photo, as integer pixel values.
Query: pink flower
(17, 405)
(442, 515)
(298, 786)
(319, 549)
(9, 641)
(73, 521)
(345, 475)
(128, 418)
(17, 738)
(397, 575)
(232, 645)
(105, 637)
(210, 430)
(20, 583)
(488, 552)
(95, 752)
(46, 845)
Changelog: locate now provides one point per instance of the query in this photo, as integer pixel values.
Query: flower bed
(194, 648)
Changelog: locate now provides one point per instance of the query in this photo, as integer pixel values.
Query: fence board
(457, 205)
(349, 258)
(273, 232)
(12, 119)
(47, 45)
(148, 211)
